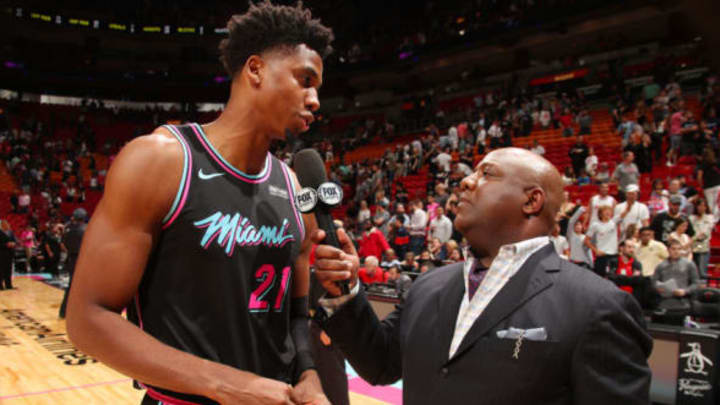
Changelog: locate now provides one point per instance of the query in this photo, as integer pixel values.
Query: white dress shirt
(506, 264)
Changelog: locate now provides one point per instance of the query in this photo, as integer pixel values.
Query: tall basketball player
(198, 237)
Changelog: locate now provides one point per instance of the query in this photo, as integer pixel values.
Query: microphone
(318, 195)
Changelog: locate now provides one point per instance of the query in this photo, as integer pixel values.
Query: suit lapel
(449, 300)
(530, 280)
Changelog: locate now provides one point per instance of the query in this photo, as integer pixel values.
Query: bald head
(513, 195)
(536, 172)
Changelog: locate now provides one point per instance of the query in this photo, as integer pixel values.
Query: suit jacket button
(444, 371)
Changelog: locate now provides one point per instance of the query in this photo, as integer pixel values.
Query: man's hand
(308, 390)
(10, 245)
(333, 264)
(261, 391)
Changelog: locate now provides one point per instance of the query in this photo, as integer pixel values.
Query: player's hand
(333, 264)
(308, 390)
(679, 292)
(260, 391)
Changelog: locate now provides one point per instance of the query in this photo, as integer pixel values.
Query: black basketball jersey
(217, 284)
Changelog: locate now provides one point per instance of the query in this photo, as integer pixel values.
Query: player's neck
(242, 144)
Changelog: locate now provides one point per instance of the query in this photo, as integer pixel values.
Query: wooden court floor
(38, 364)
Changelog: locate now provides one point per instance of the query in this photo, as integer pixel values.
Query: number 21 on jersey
(259, 300)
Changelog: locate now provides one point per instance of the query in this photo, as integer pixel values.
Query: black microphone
(318, 196)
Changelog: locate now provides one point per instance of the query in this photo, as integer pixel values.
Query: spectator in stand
(390, 260)
(631, 211)
(372, 242)
(437, 250)
(691, 138)
(371, 273)
(584, 120)
(650, 252)
(591, 162)
(14, 201)
(462, 170)
(562, 247)
(537, 148)
(640, 146)
(23, 202)
(658, 201)
(440, 226)
(426, 261)
(545, 118)
(410, 264)
(627, 274)
(675, 190)
(443, 159)
(708, 175)
(399, 236)
(680, 235)
(400, 214)
(583, 179)
(418, 225)
(603, 198)
(578, 153)
(381, 219)
(27, 241)
(625, 129)
(580, 254)
(632, 233)
(496, 134)
(52, 246)
(565, 120)
(431, 206)
(441, 194)
(364, 213)
(568, 176)
(400, 281)
(602, 239)
(603, 173)
(677, 119)
(710, 127)
(626, 173)
(703, 223)
(665, 222)
(683, 272)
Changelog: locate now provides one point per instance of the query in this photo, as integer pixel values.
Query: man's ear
(535, 201)
(255, 69)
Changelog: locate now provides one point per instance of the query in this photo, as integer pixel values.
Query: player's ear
(254, 70)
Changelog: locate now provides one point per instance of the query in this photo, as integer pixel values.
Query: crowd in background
(637, 244)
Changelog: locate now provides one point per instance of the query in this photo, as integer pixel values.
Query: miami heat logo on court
(235, 230)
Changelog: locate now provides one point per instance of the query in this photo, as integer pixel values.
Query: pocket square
(536, 334)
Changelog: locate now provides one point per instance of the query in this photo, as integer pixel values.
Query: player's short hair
(266, 26)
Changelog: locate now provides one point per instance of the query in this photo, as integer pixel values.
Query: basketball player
(198, 237)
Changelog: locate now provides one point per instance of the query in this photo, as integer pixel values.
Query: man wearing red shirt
(372, 242)
(371, 273)
(628, 274)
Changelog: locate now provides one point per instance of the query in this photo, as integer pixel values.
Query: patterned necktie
(476, 276)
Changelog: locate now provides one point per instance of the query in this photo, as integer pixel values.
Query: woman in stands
(703, 223)
(602, 239)
(680, 234)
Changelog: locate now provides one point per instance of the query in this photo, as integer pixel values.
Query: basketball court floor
(39, 365)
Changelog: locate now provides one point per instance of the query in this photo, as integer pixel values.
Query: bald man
(513, 324)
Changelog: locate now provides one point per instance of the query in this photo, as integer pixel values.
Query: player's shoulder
(158, 152)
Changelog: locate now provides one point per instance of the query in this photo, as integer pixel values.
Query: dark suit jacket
(596, 351)
(6, 253)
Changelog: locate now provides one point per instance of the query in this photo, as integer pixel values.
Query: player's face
(292, 83)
